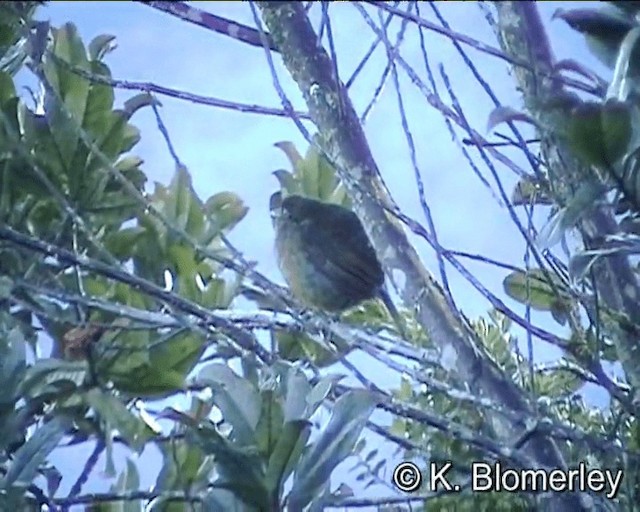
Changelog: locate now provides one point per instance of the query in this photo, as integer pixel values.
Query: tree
(86, 251)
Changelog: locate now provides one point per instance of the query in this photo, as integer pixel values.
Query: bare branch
(344, 144)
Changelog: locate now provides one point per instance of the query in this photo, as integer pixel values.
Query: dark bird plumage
(326, 257)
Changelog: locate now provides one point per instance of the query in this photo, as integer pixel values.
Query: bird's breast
(306, 275)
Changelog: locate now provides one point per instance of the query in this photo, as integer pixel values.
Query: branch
(245, 339)
(344, 144)
(521, 33)
(218, 24)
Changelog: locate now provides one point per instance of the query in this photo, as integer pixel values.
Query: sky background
(234, 151)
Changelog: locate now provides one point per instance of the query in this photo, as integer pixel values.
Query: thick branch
(345, 145)
(521, 33)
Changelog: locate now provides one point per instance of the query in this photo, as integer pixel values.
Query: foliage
(137, 288)
(70, 182)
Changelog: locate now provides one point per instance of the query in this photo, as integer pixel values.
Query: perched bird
(326, 257)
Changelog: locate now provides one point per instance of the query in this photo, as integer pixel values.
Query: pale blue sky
(229, 150)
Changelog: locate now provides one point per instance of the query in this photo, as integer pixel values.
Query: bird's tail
(399, 321)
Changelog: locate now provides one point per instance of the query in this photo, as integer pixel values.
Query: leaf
(308, 172)
(241, 470)
(583, 201)
(7, 88)
(98, 118)
(53, 376)
(150, 382)
(225, 210)
(600, 133)
(66, 100)
(28, 458)
(287, 181)
(72, 88)
(336, 442)
(269, 427)
(286, 454)
(122, 243)
(12, 364)
(290, 150)
(182, 464)
(295, 395)
(319, 392)
(626, 70)
(128, 480)
(117, 416)
(135, 103)
(541, 295)
(237, 399)
(604, 30)
(294, 346)
(505, 114)
(580, 264)
(101, 45)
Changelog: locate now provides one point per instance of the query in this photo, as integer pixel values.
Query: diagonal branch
(344, 144)
(213, 22)
(521, 33)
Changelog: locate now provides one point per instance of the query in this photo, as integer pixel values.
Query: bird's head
(294, 208)
(297, 208)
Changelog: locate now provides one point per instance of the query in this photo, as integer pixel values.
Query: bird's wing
(347, 252)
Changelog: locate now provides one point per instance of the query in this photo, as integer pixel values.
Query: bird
(326, 257)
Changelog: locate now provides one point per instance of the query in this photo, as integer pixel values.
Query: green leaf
(118, 417)
(290, 150)
(28, 458)
(600, 133)
(532, 288)
(177, 351)
(287, 181)
(286, 454)
(269, 426)
(294, 346)
(7, 88)
(128, 480)
(350, 413)
(135, 103)
(53, 376)
(149, 382)
(295, 395)
(241, 470)
(237, 399)
(225, 210)
(319, 392)
(101, 45)
(69, 88)
(308, 172)
(98, 116)
(122, 243)
(12, 364)
(182, 466)
(557, 383)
